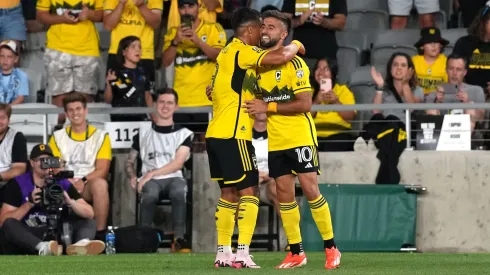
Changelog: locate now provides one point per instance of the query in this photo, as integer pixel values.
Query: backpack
(137, 239)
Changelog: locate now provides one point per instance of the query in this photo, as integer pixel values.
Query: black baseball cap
(41, 149)
(190, 2)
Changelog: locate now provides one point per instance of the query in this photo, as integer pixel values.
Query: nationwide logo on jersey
(278, 95)
(191, 59)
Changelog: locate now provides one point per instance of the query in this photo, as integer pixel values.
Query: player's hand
(377, 77)
(255, 106)
(440, 94)
(209, 91)
(84, 14)
(144, 180)
(318, 18)
(35, 195)
(133, 181)
(462, 95)
(69, 19)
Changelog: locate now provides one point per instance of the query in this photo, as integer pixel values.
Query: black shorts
(232, 162)
(303, 159)
(147, 64)
(196, 122)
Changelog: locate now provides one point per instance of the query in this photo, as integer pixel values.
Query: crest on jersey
(278, 75)
(204, 38)
(300, 73)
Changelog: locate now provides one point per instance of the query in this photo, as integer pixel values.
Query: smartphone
(450, 89)
(186, 20)
(326, 84)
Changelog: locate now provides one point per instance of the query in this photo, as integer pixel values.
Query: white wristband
(379, 91)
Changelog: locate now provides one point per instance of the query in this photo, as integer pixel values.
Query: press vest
(80, 156)
(158, 149)
(6, 150)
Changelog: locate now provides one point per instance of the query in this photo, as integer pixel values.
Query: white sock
(40, 245)
(242, 250)
(224, 249)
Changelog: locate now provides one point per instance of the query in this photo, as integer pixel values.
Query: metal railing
(355, 107)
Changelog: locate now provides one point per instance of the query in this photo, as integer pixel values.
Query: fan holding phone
(333, 128)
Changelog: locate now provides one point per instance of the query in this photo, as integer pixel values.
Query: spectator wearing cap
(207, 11)
(14, 84)
(72, 47)
(138, 18)
(430, 65)
(475, 47)
(315, 24)
(193, 47)
(12, 24)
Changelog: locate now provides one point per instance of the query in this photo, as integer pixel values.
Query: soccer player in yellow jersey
(231, 154)
(430, 66)
(286, 97)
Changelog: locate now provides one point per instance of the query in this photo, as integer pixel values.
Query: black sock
(328, 244)
(296, 248)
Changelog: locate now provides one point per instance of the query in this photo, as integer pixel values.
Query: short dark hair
(168, 91)
(268, 8)
(74, 97)
(279, 16)
(243, 16)
(6, 108)
(455, 56)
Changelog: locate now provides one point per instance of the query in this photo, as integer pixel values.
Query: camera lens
(54, 192)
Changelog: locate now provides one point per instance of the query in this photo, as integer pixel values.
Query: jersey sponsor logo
(277, 98)
(257, 49)
(284, 94)
(190, 60)
(153, 155)
(59, 9)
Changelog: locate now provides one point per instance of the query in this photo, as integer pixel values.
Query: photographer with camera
(24, 218)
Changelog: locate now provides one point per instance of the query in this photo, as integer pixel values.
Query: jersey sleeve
(43, 5)
(217, 36)
(54, 147)
(155, 5)
(105, 151)
(300, 75)
(169, 36)
(250, 57)
(99, 5)
(110, 4)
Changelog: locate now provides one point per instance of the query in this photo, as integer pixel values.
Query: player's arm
(103, 161)
(252, 57)
(152, 12)
(215, 42)
(132, 158)
(113, 10)
(171, 41)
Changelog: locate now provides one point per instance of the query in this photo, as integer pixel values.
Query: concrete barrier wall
(453, 215)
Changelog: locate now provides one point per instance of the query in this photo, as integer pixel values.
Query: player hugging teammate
(285, 95)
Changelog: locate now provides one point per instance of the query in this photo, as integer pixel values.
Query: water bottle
(110, 241)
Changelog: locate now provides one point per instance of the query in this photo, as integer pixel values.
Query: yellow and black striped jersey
(234, 81)
(281, 83)
(193, 69)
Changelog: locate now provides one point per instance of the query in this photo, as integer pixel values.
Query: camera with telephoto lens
(52, 200)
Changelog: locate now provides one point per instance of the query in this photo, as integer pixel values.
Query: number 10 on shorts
(304, 154)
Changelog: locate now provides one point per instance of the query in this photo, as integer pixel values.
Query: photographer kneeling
(24, 220)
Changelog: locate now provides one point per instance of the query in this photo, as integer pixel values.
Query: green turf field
(352, 263)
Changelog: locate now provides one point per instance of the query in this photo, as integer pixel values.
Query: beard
(268, 44)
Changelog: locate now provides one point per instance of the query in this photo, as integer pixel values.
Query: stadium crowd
(163, 54)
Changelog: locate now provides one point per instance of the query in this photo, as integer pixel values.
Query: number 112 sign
(122, 133)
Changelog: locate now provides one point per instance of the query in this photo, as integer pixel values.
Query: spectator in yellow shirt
(138, 18)
(207, 11)
(430, 65)
(72, 47)
(332, 128)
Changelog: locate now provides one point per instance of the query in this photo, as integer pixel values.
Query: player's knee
(309, 184)
(229, 194)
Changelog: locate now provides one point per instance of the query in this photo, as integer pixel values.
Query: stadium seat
(36, 41)
(392, 41)
(440, 20)
(367, 5)
(229, 34)
(354, 38)
(348, 59)
(35, 84)
(452, 35)
(363, 87)
(31, 125)
(367, 19)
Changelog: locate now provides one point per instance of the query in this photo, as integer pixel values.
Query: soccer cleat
(50, 248)
(293, 260)
(86, 247)
(181, 245)
(333, 258)
(244, 262)
(224, 260)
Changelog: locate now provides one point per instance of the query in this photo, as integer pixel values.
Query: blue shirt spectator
(14, 84)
